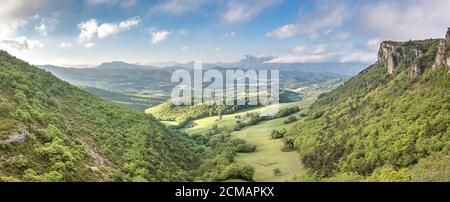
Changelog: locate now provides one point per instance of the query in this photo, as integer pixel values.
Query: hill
(167, 111)
(388, 123)
(139, 103)
(53, 131)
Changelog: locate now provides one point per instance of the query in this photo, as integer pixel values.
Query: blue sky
(69, 32)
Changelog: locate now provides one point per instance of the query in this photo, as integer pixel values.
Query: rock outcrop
(390, 54)
(416, 70)
(442, 55)
(16, 138)
(440, 60)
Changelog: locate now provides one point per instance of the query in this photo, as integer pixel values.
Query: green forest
(53, 131)
(381, 127)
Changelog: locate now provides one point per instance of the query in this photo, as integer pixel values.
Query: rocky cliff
(416, 55)
(442, 56)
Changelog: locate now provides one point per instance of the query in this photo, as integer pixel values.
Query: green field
(268, 154)
(202, 126)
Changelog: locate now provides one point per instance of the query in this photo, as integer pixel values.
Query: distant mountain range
(124, 77)
(150, 84)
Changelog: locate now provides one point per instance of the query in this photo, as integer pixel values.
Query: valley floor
(268, 155)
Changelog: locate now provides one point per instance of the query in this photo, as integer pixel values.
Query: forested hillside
(389, 123)
(52, 131)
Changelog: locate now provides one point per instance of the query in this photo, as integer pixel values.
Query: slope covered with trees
(52, 131)
(389, 123)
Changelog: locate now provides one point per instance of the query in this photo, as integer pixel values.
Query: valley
(388, 123)
(268, 155)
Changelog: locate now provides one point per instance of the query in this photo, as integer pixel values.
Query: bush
(276, 172)
(237, 141)
(287, 112)
(21, 163)
(239, 126)
(245, 148)
(288, 145)
(237, 171)
(389, 174)
(289, 120)
(278, 134)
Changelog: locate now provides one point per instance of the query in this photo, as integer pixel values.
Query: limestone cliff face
(442, 56)
(390, 54)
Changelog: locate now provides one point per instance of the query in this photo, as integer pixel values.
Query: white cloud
(22, 43)
(313, 49)
(229, 35)
(128, 3)
(373, 44)
(308, 53)
(101, 2)
(184, 48)
(323, 53)
(88, 29)
(182, 32)
(384, 19)
(123, 3)
(128, 24)
(342, 36)
(42, 29)
(91, 28)
(400, 20)
(177, 7)
(159, 36)
(46, 25)
(284, 31)
(218, 48)
(65, 45)
(244, 11)
(89, 45)
(359, 57)
(107, 29)
(15, 14)
(301, 59)
(321, 22)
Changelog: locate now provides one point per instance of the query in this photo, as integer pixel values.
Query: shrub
(288, 145)
(287, 112)
(21, 163)
(239, 126)
(289, 120)
(237, 171)
(245, 148)
(278, 134)
(237, 141)
(276, 172)
(389, 174)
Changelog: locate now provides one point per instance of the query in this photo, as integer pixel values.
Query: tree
(276, 172)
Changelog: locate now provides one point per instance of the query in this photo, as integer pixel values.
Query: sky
(90, 32)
